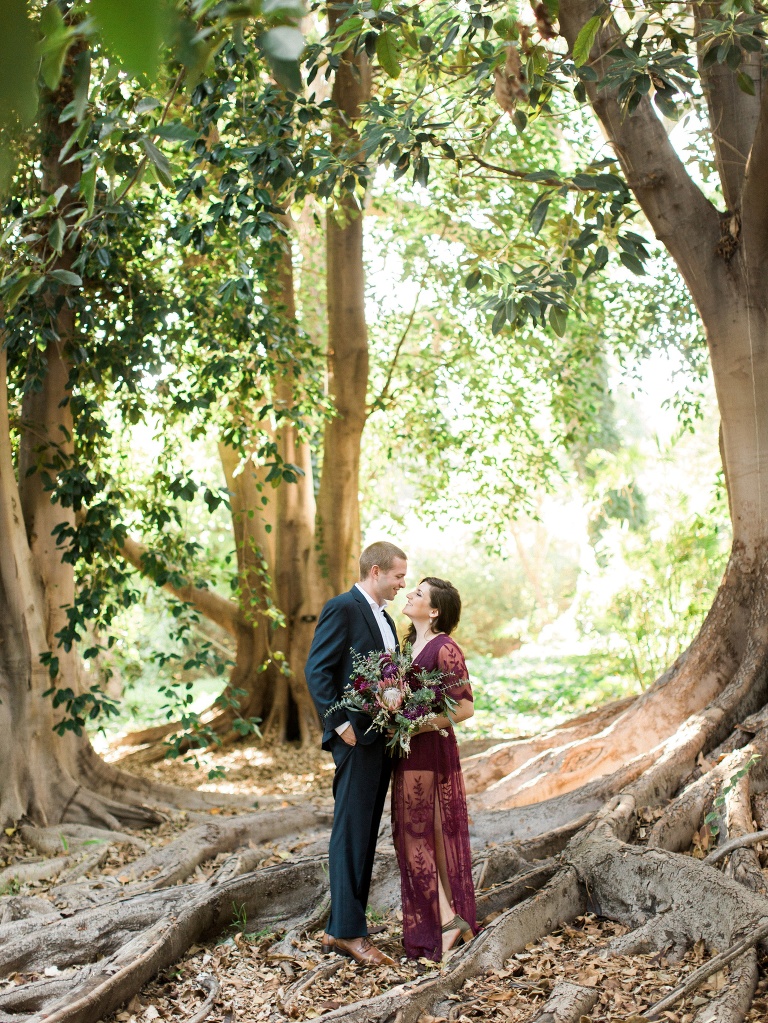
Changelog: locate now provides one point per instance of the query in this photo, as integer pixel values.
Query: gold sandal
(459, 924)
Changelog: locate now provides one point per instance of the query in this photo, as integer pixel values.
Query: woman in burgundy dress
(429, 807)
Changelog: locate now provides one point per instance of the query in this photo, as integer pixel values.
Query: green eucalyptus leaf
(159, 162)
(67, 277)
(17, 289)
(175, 132)
(56, 234)
(499, 319)
(283, 43)
(81, 81)
(746, 83)
(538, 214)
(558, 319)
(88, 187)
(632, 263)
(289, 9)
(388, 52)
(585, 40)
(54, 45)
(147, 103)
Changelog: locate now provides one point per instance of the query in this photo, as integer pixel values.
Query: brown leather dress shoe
(362, 950)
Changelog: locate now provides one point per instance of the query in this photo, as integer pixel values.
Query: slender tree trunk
(253, 686)
(301, 586)
(338, 500)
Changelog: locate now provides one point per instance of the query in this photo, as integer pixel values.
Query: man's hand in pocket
(349, 737)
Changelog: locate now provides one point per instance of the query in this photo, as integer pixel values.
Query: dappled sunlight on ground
(250, 767)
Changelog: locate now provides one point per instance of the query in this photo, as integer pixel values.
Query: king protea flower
(391, 698)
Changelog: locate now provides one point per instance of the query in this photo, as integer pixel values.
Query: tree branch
(736, 843)
(680, 215)
(218, 609)
(17, 574)
(384, 394)
(693, 980)
(733, 114)
(754, 201)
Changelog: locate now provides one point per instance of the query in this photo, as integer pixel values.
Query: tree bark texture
(338, 503)
(46, 777)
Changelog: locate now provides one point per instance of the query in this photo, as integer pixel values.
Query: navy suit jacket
(346, 623)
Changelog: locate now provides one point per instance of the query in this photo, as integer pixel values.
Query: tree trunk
(49, 777)
(301, 586)
(278, 569)
(727, 664)
(253, 685)
(338, 512)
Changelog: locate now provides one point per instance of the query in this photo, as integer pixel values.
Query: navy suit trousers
(359, 789)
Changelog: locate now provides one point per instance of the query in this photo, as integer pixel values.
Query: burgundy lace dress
(428, 799)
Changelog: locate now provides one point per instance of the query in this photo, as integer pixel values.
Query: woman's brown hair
(445, 599)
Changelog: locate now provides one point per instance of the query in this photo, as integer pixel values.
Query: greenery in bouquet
(399, 696)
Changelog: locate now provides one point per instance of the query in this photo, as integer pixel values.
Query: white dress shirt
(385, 628)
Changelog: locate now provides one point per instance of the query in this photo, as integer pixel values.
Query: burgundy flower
(414, 713)
(388, 672)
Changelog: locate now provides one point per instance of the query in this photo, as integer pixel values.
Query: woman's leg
(444, 894)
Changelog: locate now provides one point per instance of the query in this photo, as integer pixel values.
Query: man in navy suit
(354, 621)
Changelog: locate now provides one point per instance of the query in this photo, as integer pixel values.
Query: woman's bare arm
(463, 711)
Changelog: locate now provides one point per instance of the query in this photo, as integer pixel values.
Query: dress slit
(428, 796)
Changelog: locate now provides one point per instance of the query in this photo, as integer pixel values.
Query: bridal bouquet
(399, 696)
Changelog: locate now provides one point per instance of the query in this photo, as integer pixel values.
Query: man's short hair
(382, 554)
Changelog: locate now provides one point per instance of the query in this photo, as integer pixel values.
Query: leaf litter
(257, 984)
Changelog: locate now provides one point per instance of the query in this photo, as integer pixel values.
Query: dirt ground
(253, 982)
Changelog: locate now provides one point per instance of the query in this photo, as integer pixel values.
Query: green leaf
(57, 39)
(160, 162)
(56, 233)
(67, 277)
(293, 9)
(88, 187)
(538, 214)
(18, 65)
(147, 103)
(17, 289)
(388, 52)
(81, 81)
(558, 319)
(507, 28)
(282, 47)
(175, 132)
(746, 84)
(600, 182)
(133, 31)
(632, 263)
(283, 43)
(585, 40)
(499, 319)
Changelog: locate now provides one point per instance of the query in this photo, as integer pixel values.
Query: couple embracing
(429, 810)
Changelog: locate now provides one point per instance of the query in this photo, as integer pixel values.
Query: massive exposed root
(724, 668)
(536, 866)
